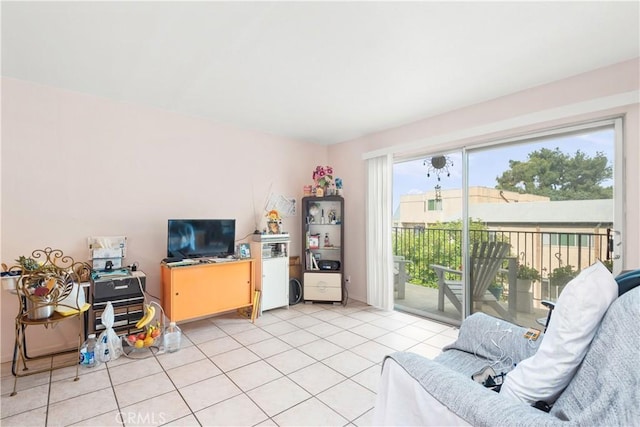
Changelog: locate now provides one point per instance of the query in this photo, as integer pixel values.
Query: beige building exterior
(433, 206)
(543, 234)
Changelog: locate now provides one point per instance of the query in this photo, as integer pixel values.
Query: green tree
(440, 244)
(559, 176)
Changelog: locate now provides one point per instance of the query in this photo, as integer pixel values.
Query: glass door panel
(551, 199)
(427, 235)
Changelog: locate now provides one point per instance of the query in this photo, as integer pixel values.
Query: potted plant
(560, 276)
(38, 287)
(525, 277)
(496, 289)
(28, 264)
(323, 178)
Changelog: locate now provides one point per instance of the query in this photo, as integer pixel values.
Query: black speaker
(325, 264)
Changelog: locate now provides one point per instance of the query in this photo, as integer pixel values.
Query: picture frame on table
(244, 251)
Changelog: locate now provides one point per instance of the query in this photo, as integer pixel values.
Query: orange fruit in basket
(148, 341)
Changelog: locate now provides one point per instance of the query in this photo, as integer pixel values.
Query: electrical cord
(143, 291)
(244, 237)
(503, 361)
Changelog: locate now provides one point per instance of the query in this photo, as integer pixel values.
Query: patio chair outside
(400, 275)
(486, 259)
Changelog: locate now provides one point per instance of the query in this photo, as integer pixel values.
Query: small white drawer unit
(322, 287)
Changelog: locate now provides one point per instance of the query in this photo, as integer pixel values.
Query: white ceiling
(323, 72)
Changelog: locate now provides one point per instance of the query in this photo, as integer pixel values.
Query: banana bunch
(149, 314)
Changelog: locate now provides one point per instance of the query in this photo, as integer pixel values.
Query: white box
(106, 253)
(322, 287)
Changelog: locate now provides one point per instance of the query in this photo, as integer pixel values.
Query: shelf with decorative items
(323, 243)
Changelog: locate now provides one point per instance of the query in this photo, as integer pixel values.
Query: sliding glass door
(501, 227)
(427, 234)
(551, 199)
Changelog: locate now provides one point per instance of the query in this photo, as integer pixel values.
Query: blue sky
(486, 165)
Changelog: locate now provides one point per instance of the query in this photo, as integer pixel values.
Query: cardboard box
(295, 268)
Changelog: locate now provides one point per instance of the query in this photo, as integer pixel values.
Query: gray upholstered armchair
(603, 388)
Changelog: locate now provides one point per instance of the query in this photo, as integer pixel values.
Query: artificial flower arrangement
(323, 179)
(323, 176)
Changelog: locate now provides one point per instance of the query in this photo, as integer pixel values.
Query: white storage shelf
(272, 270)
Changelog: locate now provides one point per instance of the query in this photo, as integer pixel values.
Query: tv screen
(196, 238)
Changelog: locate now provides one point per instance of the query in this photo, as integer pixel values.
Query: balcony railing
(544, 251)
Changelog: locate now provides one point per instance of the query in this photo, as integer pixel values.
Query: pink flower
(322, 176)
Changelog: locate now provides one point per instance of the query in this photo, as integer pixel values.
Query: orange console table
(191, 291)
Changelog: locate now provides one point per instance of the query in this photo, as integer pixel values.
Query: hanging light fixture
(438, 165)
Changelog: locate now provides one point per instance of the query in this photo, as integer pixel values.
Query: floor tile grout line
(284, 375)
(115, 395)
(177, 389)
(444, 333)
(46, 417)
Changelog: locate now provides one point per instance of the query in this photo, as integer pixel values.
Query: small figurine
(332, 217)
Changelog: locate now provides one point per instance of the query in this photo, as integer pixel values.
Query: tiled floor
(311, 364)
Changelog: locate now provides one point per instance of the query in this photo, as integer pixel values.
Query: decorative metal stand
(44, 289)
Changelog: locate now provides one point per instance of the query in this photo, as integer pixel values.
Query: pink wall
(620, 78)
(75, 166)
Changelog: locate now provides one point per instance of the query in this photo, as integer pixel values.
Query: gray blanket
(604, 392)
(487, 341)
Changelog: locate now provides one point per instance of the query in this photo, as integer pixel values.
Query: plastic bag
(110, 345)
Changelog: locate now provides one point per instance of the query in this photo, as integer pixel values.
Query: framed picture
(244, 251)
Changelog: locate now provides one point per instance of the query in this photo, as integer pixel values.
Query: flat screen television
(197, 238)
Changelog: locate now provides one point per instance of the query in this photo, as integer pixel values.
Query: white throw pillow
(573, 324)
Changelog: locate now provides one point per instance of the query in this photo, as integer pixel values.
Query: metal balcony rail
(557, 256)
